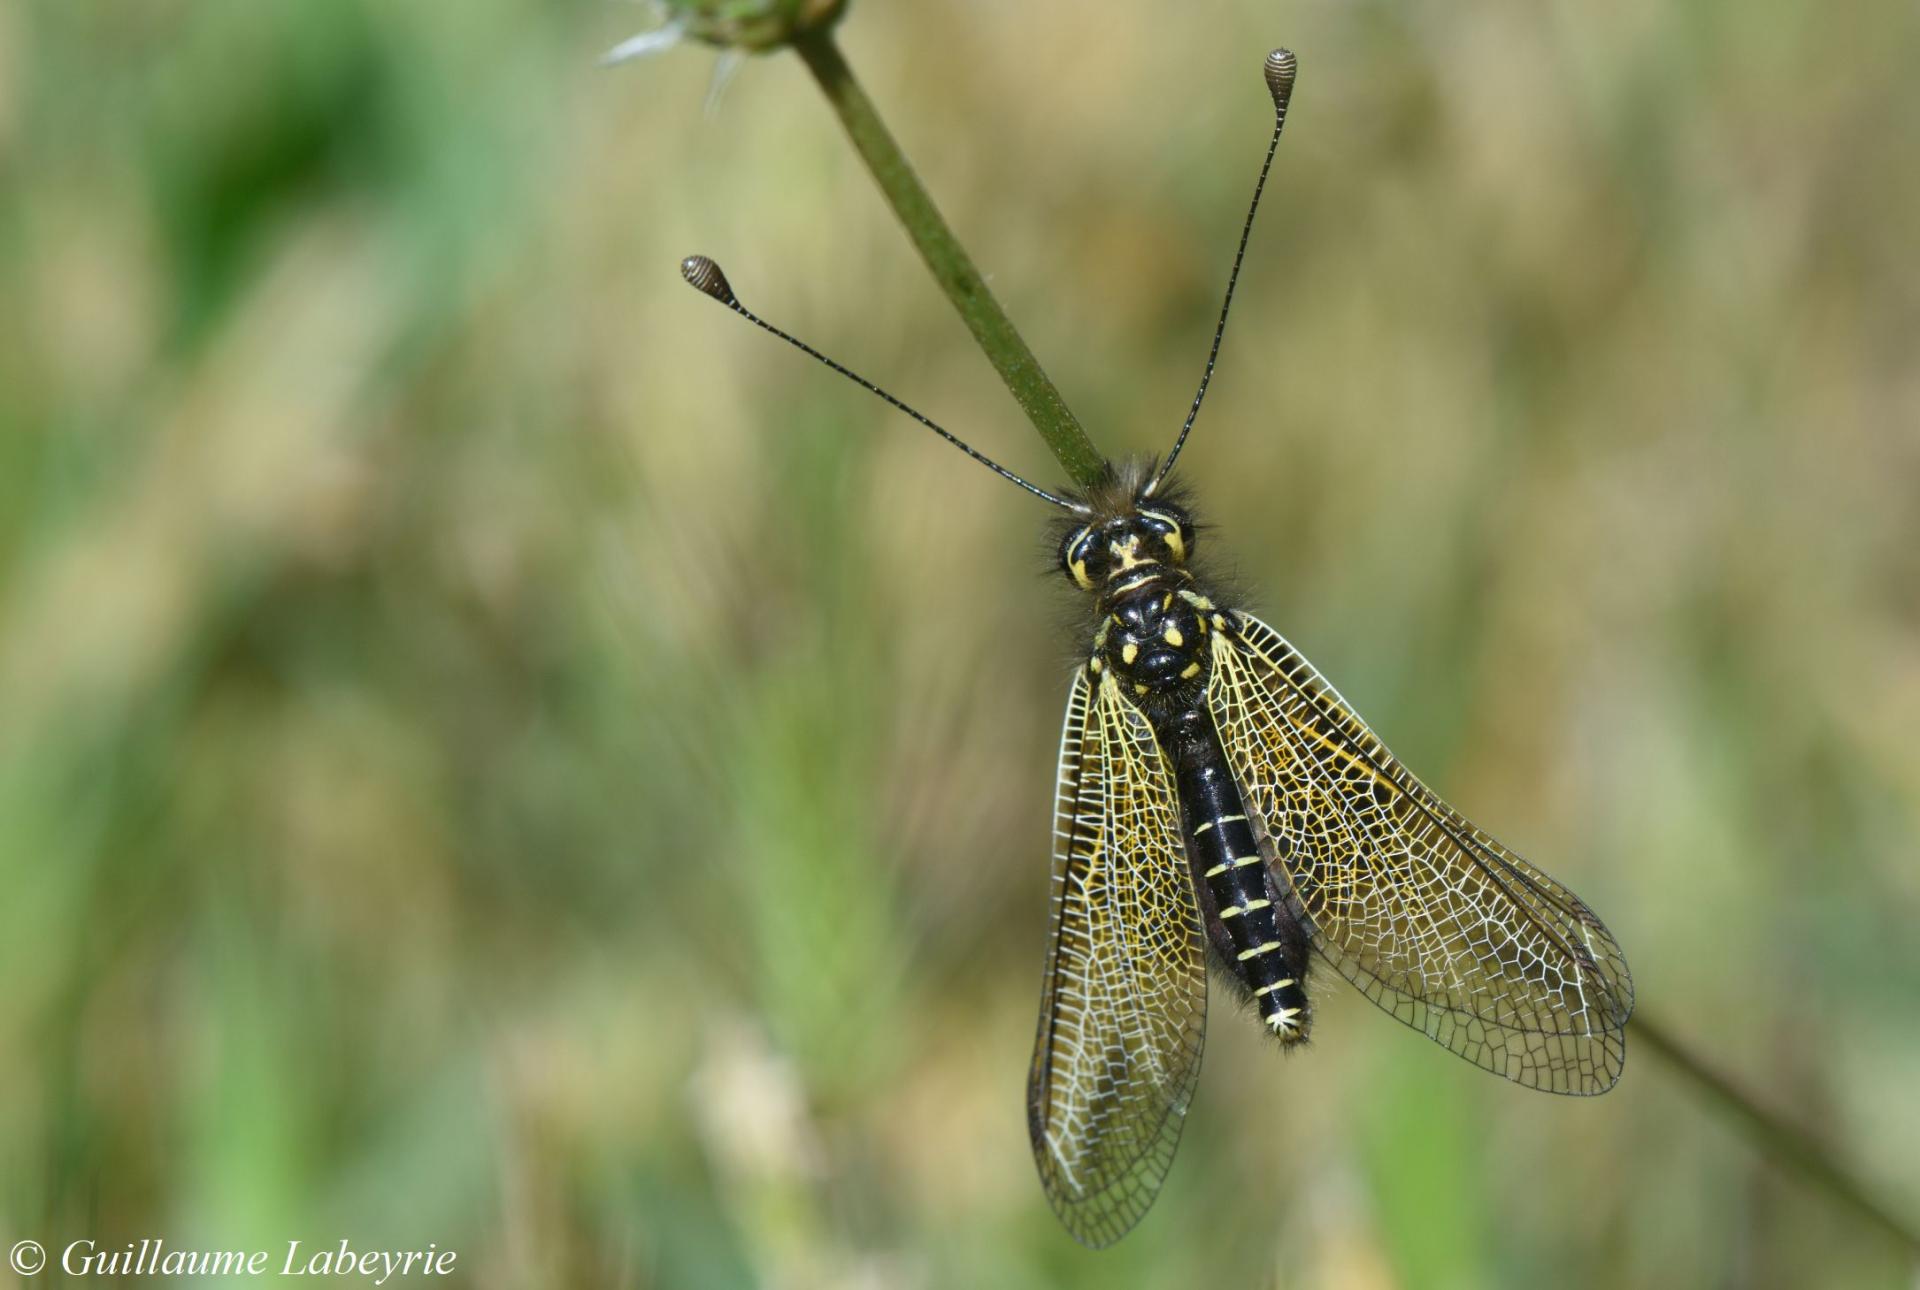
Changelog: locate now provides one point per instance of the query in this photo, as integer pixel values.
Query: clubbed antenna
(1279, 71)
(705, 276)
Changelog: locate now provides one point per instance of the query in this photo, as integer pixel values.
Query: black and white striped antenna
(1279, 71)
(704, 274)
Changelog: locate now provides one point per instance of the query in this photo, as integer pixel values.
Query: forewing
(1432, 919)
(1123, 1012)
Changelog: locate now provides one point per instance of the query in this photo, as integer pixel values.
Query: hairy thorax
(1153, 635)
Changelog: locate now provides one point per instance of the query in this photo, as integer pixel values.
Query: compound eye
(1083, 559)
(1172, 531)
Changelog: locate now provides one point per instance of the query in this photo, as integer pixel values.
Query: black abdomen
(1255, 934)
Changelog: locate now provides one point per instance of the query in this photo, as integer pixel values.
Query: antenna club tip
(1280, 68)
(705, 275)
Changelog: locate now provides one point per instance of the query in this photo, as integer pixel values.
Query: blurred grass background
(495, 752)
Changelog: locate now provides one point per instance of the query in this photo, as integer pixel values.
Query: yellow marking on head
(1173, 637)
(1128, 552)
(1190, 671)
(1258, 950)
(1129, 652)
(1216, 871)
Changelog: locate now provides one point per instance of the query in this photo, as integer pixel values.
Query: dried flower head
(751, 25)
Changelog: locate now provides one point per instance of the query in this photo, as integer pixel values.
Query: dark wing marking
(1123, 1012)
(1430, 918)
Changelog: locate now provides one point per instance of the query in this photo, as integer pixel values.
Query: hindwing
(1123, 1012)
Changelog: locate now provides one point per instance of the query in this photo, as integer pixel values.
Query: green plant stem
(1791, 1147)
(951, 266)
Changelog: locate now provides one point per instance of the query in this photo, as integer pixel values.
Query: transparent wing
(1429, 917)
(1123, 1012)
